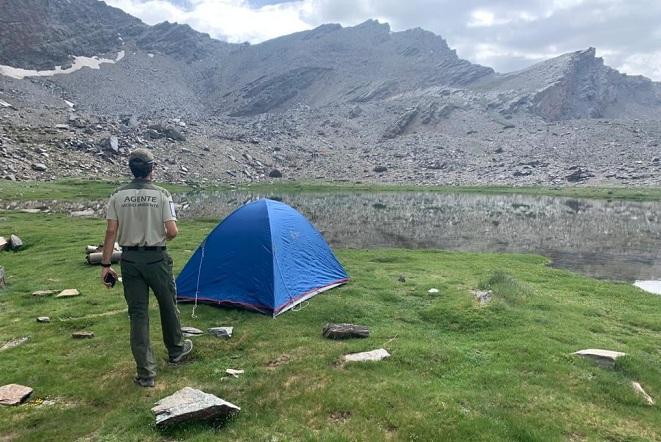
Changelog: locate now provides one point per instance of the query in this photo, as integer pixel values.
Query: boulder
(39, 167)
(579, 175)
(222, 332)
(191, 331)
(189, 404)
(604, 358)
(275, 173)
(14, 394)
(3, 243)
(345, 331)
(15, 242)
(41, 293)
(483, 296)
(68, 293)
(639, 389)
(367, 356)
(82, 213)
(233, 372)
(14, 343)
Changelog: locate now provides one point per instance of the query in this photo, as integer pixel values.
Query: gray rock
(275, 173)
(191, 331)
(189, 404)
(368, 356)
(41, 293)
(640, 391)
(15, 242)
(14, 343)
(345, 331)
(604, 358)
(39, 167)
(222, 332)
(380, 169)
(2, 277)
(3, 243)
(14, 394)
(483, 296)
(83, 213)
(43, 319)
(68, 293)
(579, 174)
(82, 335)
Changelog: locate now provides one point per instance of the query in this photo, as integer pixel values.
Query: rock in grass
(82, 335)
(42, 293)
(2, 277)
(43, 319)
(14, 343)
(483, 296)
(345, 331)
(367, 356)
(605, 358)
(191, 331)
(432, 291)
(14, 394)
(222, 332)
(639, 389)
(189, 404)
(68, 293)
(3, 243)
(15, 242)
(234, 372)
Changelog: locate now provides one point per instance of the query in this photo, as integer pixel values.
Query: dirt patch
(339, 417)
(277, 362)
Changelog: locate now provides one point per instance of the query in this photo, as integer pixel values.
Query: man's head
(141, 162)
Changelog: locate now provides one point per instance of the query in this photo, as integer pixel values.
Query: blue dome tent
(265, 256)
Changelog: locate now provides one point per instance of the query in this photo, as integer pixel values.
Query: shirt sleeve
(169, 213)
(111, 210)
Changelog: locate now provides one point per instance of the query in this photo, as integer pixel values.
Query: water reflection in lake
(614, 240)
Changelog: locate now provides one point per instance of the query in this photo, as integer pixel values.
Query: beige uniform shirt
(141, 209)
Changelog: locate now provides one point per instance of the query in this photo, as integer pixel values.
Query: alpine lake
(614, 240)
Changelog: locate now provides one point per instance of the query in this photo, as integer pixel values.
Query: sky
(506, 35)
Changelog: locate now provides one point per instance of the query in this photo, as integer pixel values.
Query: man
(142, 217)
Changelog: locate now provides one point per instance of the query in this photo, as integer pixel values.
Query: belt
(136, 248)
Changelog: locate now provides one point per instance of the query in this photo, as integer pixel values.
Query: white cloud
(650, 63)
(481, 17)
(504, 34)
(231, 20)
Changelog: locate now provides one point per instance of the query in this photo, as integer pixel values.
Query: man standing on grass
(141, 217)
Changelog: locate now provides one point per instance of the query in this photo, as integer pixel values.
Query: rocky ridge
(331, 104)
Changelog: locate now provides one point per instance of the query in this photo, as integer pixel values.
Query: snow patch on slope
(78, 64)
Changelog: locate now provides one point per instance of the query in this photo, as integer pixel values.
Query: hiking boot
(188, 347)
(144, 382)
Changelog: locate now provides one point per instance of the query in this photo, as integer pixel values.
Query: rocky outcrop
(42, 34)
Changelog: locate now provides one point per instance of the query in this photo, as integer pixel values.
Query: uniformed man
(141, 216)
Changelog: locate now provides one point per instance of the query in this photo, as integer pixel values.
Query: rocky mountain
(82, 83)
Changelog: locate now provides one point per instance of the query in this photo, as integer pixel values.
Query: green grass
(65, 189)
(458, 371)
(95, 189)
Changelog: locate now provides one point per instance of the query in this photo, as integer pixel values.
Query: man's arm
(108, 247)
(171, 229)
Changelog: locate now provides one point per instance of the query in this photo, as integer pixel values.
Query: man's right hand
(104, 272)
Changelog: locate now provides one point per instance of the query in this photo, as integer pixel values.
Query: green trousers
(142, 270)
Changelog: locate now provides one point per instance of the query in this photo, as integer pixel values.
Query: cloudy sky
(504, 34)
